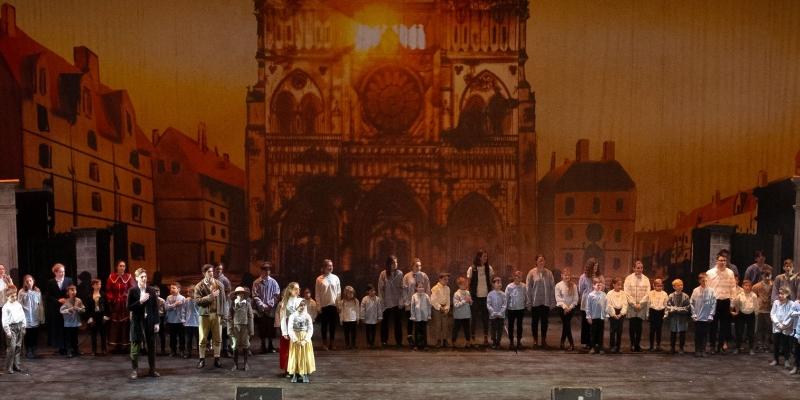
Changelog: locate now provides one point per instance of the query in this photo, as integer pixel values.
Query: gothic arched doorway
(474, 224)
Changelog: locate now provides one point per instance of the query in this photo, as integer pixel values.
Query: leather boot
(246, 367)
(235, 360)
(217, 362)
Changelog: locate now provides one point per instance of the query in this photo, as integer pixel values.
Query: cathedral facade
(380, 128)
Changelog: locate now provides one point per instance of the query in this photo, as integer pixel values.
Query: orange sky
(698, 95)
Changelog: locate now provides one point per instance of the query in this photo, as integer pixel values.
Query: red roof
(21, 52)
(739, 203)
(204, 161)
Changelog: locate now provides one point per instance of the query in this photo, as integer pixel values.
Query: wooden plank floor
(407, 374)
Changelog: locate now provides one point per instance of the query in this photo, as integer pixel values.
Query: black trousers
(71, 339)
(783, 344)
(421, 334)
(98, 326)
(395, 315)
(497, 330)
(177, 341)
(745, 323)
(192, 334)
(515, 318)
(700, 335)
(329, 317)
(350, 333)
(586, 330)
(635, 331)
(370, 330)
(459, 324)
(566, 325)
(31, 337)
(672, 337)
(656, 323)
(479, 313)
(598, 326)
(539, 313)
(616, 331)
(721, 325)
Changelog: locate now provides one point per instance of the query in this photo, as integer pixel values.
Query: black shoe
(202, 363)
(217, 363)
(154, 374)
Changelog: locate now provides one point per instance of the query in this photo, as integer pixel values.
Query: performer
(56, 291)
(117, 287)
(390, 291)
(286, 308)
(637, 291)
(301, 355)
(329, 293)
(480, 275)
(142, 303)
(240, 325)
(211, 302)
(541, 298)
(266, 294)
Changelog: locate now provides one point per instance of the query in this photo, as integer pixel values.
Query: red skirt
(283, 352)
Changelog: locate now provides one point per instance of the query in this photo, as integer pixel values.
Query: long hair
(287, 294)
(389, 261)
(588, 268)
(345, 298)
(477, 261)
(570, 284)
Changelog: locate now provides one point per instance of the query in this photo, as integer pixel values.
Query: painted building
(588, 209)
(378, 128)
(199, 202)
(76, 148)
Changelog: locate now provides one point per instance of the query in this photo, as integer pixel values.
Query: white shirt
(658, 300)
(328, 290)
(723, 282)
(482, 290)
(440, 297)
(12, 314)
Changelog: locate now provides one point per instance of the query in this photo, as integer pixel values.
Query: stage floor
(407, 374)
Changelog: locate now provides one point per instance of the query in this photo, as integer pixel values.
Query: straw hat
(240, 289)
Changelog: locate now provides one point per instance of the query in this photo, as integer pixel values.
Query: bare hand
(155, 328)
(589, 321)
(62, 301)
(143, 298)
(215, 293)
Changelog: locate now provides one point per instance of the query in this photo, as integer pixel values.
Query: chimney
(553, 161)
(582, 150)
(762, 178)
(608, 150)
(201, 136)
(216, 151)
(156, 136)
(87, 62)
(715, 199)
(8, 21)
(226, 157)
(566, 160)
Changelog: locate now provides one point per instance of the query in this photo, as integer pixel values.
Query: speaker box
(256, 393)
(576, 393)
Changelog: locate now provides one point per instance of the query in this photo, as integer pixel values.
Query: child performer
(516, 293)
(72, 320)
(657, 303)
(14, 327)
(496, 305)
(311, 305)
(678, 314)
(440, 314)
(31, 299)
(763, 291)
(301, 354)
(420, 314)
(703, 305)
(240, 325)
(567, 299)
(192, 321)
(617, 308)
(461, 311)
(596, 315)
(176, 315)
(782, 326)
(744, 306)
(348, 316)
(98, 315)
(371, 314)
(286, 308)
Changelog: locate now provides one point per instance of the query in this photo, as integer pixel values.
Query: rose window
(393, 100)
